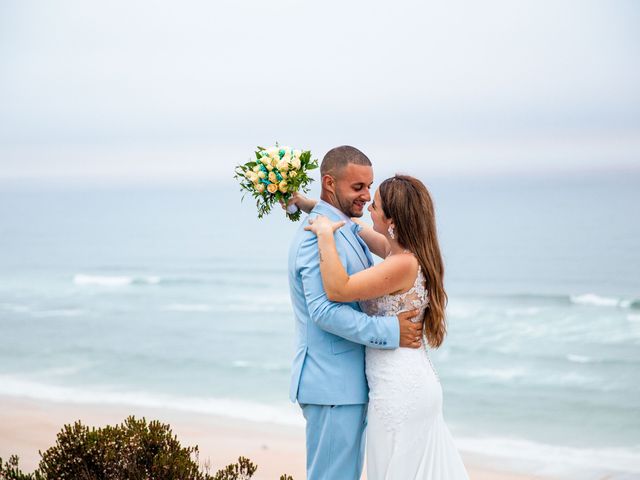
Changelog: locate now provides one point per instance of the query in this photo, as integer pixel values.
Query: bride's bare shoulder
(406, 265)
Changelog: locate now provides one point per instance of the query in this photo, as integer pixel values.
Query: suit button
(384, 343)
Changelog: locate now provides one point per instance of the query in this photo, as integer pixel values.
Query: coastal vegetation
(133, 450)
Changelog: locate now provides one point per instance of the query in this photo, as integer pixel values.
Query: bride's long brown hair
(407, 201)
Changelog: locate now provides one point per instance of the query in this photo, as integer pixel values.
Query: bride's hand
(322, 224)
(299, 200)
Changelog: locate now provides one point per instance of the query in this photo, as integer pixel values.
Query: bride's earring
(390, 230)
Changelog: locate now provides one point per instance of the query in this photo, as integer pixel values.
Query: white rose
(295, 163)
(297, 153)
(283, 166)
(286, 158)
(273, 152)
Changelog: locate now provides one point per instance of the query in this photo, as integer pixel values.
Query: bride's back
(417, 297)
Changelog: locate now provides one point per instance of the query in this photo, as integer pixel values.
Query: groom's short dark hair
(339, 157)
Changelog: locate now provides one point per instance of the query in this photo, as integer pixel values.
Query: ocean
(177, 297)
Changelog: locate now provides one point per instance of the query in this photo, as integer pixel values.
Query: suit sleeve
(340, 318)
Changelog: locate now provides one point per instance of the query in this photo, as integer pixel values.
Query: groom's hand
(299, 200)
(410, 332)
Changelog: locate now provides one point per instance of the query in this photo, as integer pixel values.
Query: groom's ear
(328, 183)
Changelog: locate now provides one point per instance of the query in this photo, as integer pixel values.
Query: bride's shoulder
(405, 267)
(404, 262)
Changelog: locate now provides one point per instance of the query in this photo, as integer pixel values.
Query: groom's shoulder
(303, 246)
(302, 236)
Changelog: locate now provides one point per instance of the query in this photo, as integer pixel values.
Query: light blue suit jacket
(328, 367)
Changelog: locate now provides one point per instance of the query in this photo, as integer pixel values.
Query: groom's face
(352, 186)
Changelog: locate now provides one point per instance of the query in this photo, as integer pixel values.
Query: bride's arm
(376, 242)
(387, 277)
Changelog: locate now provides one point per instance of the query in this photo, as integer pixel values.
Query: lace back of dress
(416, 297)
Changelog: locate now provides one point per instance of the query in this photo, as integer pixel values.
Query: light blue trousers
(335, 441)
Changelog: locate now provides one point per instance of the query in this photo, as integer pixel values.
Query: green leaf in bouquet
(294, 217)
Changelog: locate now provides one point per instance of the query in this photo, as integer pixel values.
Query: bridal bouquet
(275, 174)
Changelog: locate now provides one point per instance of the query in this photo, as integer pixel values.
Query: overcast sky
(160, 89)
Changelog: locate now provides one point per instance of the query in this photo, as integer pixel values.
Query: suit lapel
(350, 237)
(345, 232)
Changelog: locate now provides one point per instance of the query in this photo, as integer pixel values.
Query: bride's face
(380, 222)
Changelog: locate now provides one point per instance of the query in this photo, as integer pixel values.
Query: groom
(328, 373)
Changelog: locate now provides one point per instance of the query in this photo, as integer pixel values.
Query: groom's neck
(333, 201)
(330, 198)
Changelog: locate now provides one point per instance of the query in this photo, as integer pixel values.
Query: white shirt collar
(340, 213)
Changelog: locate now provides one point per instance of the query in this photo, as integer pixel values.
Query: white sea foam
(188, 307)
(598, 301)
(283, 414)
(519, 312)
(34, 312)
(254, 308)
(578, 358)
(66, 370)
(259, 302)
(270, 366)
(15, 308)
(583, 463)
(462, 311)
(62, 312)
(113, 280)
(572, 379)
(101, 280)
(501, 374)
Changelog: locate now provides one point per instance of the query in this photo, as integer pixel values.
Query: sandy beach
(27, 426)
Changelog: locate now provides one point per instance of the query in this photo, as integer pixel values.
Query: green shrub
(243, 470)
(11, 471)
(134, 450)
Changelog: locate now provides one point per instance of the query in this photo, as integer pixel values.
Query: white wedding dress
(406, 435)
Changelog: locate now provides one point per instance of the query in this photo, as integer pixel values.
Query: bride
(407, 437)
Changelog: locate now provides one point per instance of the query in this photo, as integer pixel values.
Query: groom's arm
(339, 318)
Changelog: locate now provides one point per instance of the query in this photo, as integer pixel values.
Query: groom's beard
(351, 208)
